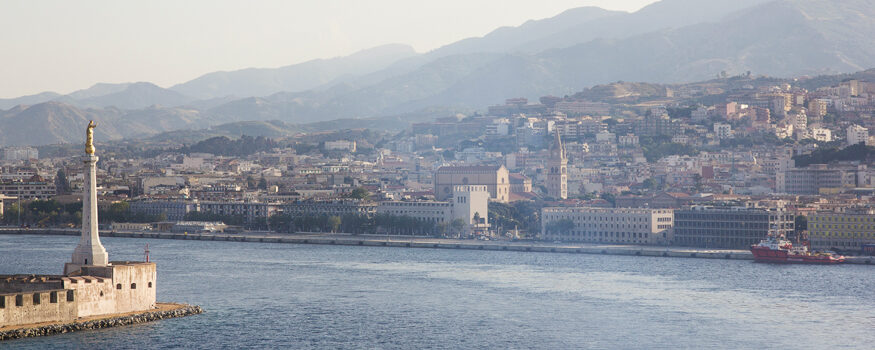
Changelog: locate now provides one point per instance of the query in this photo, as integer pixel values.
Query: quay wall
(419, 242)
(60, 327)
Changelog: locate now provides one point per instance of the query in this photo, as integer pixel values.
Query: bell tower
(557, 170)
(89, 251)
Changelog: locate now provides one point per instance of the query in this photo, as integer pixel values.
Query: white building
(699, 114)
(857, 134)
(470, 203)
(608, 225)
(20, 153)
(799, 120)
(629, 140)
(821, 134)
(498, 127)
(605, 136)
(340, 145)
(722, 131)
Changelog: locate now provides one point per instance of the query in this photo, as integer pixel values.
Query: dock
(431, 243)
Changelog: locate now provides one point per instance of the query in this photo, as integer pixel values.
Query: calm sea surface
(311, 296)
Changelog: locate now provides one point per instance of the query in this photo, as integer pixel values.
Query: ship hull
(766, 255)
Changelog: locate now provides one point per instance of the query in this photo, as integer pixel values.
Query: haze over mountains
(666, 42)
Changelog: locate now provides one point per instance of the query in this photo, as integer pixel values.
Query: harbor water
(268, 295)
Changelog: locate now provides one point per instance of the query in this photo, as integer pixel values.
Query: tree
(359, 193)
(458, 226)
(650, 184)
(334, 222)
(62, 185)
(564, 225)
(609, 197)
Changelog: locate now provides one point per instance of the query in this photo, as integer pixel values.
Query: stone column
(89, 252)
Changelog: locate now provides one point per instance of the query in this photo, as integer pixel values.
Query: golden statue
(89, 137)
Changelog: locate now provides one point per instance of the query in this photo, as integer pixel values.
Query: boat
(777, 249)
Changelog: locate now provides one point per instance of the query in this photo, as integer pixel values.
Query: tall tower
(89, 252)
(557, 173)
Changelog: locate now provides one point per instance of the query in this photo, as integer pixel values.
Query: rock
(187, 310)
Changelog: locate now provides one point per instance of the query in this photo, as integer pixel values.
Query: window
(36, 298)
(70, 296)
(19, 300)
(118, 286)
(133, 286)
(2, 301)
(53, 297)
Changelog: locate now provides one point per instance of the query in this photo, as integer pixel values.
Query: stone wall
(26, 283)
(95, 290)
(37, 307)
(60, 327)
(125, 287)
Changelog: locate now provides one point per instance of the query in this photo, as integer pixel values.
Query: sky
(63, 46)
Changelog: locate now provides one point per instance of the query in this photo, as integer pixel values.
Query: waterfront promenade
(428, 242)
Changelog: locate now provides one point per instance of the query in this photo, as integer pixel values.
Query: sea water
(267, 295)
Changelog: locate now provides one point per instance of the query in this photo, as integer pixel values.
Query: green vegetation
(43, 213)
(563, 225)
(657, 147)
(752, 140)
(522, 215)
(121, 212)
(62, 185)
(360, 193)
(224, 146)
(681, 112)
(363, 224)
(858, 152)
(50, 212)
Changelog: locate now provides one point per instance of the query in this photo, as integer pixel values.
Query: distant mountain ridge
(670, 41)
(782, 38)
(303, 76)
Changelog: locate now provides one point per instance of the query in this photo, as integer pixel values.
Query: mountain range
(670, 41)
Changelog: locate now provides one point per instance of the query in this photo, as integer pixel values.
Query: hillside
(779, 38)
(298, 77)
(55, 122)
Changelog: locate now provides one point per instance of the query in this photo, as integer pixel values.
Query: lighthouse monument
(89, 251)
(91, 288)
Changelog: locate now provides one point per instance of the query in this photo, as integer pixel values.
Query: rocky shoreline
(51, 329)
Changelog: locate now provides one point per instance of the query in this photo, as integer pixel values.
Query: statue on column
(89, 137)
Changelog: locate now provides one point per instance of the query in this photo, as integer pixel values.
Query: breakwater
(433, 243)
(164, 311)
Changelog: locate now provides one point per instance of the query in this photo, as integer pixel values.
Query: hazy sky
(64, 45)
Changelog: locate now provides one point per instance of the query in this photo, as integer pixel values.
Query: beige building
(607, 225)
(34, 188)
(817, 108)
(495, 178)
(469, 203)
(846, 231)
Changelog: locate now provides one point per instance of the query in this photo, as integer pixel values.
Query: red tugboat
(779, 250)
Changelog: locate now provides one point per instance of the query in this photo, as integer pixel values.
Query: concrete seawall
(434, 243)
(164, 311)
